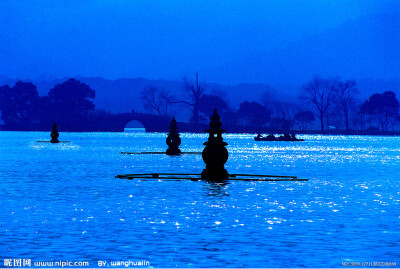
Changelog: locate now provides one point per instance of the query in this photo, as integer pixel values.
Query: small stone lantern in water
(173, 139)
(54, 134)
(215, 154)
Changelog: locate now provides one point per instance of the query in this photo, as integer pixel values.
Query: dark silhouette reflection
(215, 154)
(217, 189)
(54, 134)
(173, 139)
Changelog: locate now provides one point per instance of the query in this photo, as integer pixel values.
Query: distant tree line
(332, 102)
(335, 103)
(69, 103)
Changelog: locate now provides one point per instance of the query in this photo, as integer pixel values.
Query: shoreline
(240, 131)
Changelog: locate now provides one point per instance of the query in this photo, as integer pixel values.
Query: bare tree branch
(345, 98)
(319, 92)
(156, 100)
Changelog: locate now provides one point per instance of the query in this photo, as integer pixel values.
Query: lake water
(62, 202)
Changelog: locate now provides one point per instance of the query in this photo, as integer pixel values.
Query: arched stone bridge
(152, 123)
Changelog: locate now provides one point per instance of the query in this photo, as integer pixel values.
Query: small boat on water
(272, 137)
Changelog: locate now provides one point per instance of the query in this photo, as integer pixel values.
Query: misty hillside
(123, 95)
(367, 47)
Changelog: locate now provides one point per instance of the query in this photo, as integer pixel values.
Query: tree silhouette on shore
(319, 92)
(17, 104)
(385, 107)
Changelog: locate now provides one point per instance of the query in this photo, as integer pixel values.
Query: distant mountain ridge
(366, 47)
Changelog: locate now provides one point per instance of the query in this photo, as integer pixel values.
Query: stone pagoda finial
(54, 134)
(215, 154)
(173, 139)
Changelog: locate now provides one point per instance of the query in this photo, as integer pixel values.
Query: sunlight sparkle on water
(68, 193)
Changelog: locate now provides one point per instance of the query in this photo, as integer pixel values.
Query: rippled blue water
(62, 201)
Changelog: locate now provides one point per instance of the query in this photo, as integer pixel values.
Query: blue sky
(163, 39)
